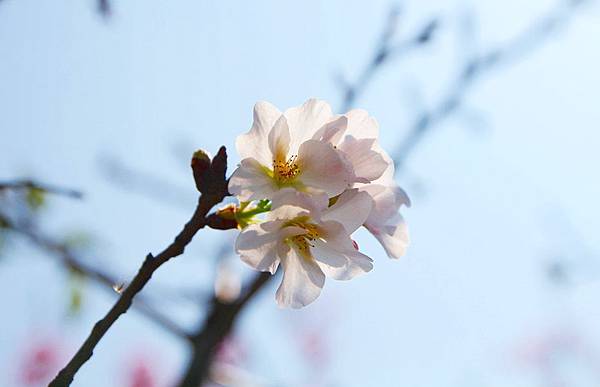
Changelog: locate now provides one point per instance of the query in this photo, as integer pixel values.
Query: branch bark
(213, 192)
(69, 260)
(214, 330)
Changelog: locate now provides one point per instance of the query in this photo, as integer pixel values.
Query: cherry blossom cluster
(308, 179)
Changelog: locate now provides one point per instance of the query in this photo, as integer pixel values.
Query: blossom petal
(341, 266)
(387, 201)
(305, 120)
(351, 209)
(332, 131)
(250, 181)
(323, 168)
(361, 125)
(368, 164)
(302, 281)
(257, 247)
(279, 139)
(254, 143)
(393, 237)
(287, 212)
(387, 177)
(314, 203)
(336, 254)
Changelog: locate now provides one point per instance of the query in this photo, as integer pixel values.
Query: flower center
(302, 242)
(285, 171)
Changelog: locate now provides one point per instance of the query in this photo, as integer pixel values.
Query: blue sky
(491, 200)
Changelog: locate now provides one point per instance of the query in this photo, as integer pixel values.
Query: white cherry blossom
(323, 176)
(279, 152)
(310, 240)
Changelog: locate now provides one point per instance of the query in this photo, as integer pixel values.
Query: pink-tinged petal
(354, 263)
(368, 164)
(387, 177)
(257, 247)
(250, 181)
(314, 203)
(361, 125)
(279, 139)
(351, 210)
(323, 168)
(255, 143)
(387, 201)
(336, 254)
(302, 281)
(332, 131)
(305, 120)
(336, 235)
(284, 211)
(393, 237)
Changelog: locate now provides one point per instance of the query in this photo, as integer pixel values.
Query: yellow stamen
(285, 171)
(302, 242)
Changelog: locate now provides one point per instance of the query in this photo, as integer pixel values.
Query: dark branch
(27, 184)
(214, 330)
(214, 192)
(70, 261)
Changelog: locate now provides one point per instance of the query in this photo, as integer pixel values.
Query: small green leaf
(77, 240)
(35, 198)
(76, 284)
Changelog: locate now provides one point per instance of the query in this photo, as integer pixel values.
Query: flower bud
(200, 167)
(224, 218)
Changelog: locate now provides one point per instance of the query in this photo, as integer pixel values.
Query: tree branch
(479, 65)
(386, 51)
(30, 184)
(69, 260)
(147, 184)
(214, 330)
(214, 191)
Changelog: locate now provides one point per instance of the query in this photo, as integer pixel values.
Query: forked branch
(213, 186)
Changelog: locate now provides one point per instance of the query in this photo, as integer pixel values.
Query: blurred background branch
(476, 66)
(24, 225)
(386, 51)
(27, 184)
(62, 252)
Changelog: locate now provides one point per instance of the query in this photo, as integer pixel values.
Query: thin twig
(475, 67)
(385, 52)
(147, 184)
(104, 8)
(30, 184)
(213, 193)
(69, 260)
